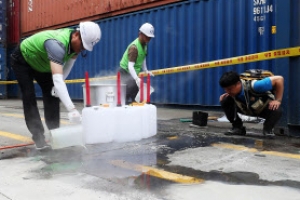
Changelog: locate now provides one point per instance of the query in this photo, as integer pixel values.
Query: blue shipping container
(196, 31)
(288, 18)
(3, 20)
(186, 33)
(3, 90)
(12, 89)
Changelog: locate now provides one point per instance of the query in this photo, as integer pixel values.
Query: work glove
(74, 116)
(53, 92)
(150, 73)
(138, 82)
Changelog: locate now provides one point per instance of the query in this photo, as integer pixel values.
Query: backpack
(255, 74)
(246, 78)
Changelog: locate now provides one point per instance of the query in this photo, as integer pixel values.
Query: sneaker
(268, 134)
(236, 131)
(42, 145)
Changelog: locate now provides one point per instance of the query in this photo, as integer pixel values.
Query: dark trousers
(271, 116)
(131, 87)
(25, 76)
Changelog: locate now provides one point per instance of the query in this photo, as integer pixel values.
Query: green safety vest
(142, 52)
(34, 52)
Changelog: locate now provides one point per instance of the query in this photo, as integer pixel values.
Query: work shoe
(42, 145)
(268, 134)
(236, 131)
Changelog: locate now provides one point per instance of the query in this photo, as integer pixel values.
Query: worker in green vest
(134, 61)
(48, 57)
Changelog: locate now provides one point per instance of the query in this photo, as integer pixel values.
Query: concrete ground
(181, 161)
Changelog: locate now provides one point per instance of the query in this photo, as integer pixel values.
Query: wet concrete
(154, 152)
(174, 140)
(239, 177)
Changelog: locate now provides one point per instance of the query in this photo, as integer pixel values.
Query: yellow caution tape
(8, 82)
(267, 55)
(92, 79)
(69, 81)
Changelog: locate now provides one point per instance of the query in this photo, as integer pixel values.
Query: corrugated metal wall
(13, 19)
(3, 89)
(13, 39)
(288, 34)
(37, 15)
(185, 33)
(3, 25)
(12, 89)
(294, 111)
(3, 22)
(194, 31)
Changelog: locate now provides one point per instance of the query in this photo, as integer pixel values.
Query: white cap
(147, 29)
(90, 34)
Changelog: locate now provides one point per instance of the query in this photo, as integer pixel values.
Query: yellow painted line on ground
(20, 137)
(15, 136)
(253, 150)
(235, 147)
(13, 115)
(173, 138)
(286, 155)
(178, 178)
(22, 116)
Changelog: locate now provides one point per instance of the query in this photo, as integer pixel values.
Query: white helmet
(147, 29)
(90, 34)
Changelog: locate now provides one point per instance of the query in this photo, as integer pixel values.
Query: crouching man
(261, 98)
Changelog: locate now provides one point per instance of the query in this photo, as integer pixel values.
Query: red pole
(148, 88)
(119, 89)
(142, 89)
(87, 90)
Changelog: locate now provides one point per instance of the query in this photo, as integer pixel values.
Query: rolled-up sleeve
(263, 85)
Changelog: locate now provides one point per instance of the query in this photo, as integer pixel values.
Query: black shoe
(236, 131)
(268, 134)
(42, 145)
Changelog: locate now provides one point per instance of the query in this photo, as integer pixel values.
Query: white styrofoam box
(152, 119)
(145, 132)
(118, 124)
(98, 124)
(128, 123)
(149, 120)
(67, 136)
